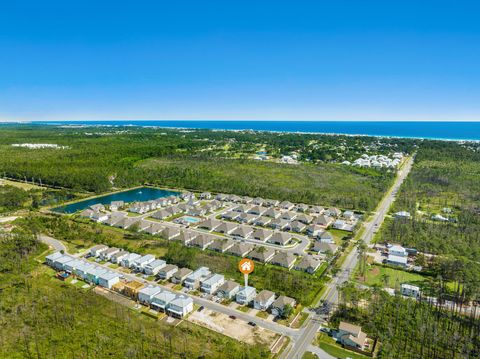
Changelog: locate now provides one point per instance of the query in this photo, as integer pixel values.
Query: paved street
(331, 293)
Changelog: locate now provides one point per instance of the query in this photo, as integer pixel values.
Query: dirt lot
(234, 328)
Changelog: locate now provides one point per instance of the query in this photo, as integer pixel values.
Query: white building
(410, 290)
(194, 279)
(154, 267)
(211, 284)
(161, 300)
(397, 250)
(108, 279)
(180, 306)
(245, 295)
(97, 250)
(397, 260)
(128, 261)
(140, 263)
(146, 294)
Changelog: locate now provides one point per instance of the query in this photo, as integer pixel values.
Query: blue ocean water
(429, 130)
(134, 195)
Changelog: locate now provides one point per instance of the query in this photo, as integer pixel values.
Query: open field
(389, 277)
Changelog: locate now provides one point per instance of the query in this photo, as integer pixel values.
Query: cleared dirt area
(234, 328)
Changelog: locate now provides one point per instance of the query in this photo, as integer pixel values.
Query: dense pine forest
(42, 318)
(98, 159)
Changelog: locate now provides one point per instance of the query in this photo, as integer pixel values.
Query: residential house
(272, 213)
(180, 306)
(226, 227)
(50, 259)
(297, 226)
(264, 300)
(228, 290)
(154, 267)
(322, 247)
(262, 234)
(202, 241)
(397, 250)
(115, 218)
(308, 264)
(323, 220)
(167, 272)
(304, 218)
(132, 288)
(316, 210)
(126, 222)
(402, 215)
(279, 224)
(98, 207)
(97, 250)
(196, 211)
(280, 238)
(351, 335)
(205, 195)
(193, 280)
(325, 237)
(284, 259)
(231, 215)
(241, 209)
(349, 215)
(262, 221)
(271, 203)
(143, 224)
(107, 255)
(116, 205)
(301, 207)
(247, 218)
(186, 237)
(262, 254)
(59, 263)
(258, 201)
(286, 205)
(288, 216)
(221, 245)
(139, 207)
(93, 274)
(242, 231)
(154, 228)
(257, 210)
(70, 266)
(410, 290)
(180, 275)
(210, 224)
(170, 233)
(107, 279)
(140, 263)
(128, 261)
(87, 213)
(117, 257)
(221, 197)
(161, 214)
(211, 284)
(162, 300)
(334, 212)
(146, 294)
(240, 249)
(245, 295)
(397, 260)
(99, 216)
(81, 270)
(314, 230)
(280, 303)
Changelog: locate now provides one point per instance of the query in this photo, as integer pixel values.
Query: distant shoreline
(333, 128)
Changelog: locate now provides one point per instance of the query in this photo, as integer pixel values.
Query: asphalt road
(314, 322)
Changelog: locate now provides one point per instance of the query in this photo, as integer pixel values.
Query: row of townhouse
(147, 206)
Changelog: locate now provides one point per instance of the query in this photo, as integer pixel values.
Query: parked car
(201, 308)
(233, 317)
(253, 324)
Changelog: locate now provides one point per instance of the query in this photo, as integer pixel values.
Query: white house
(161, 300)
(82, 269)
(397, 260)
(228, 289)
(107, 255)
(168, 271)
(154, 267)
(108, 279)
(140, 263)
(245, 295)
(70, 266)
(410, 290)
(97, 250)
(180, 306)
(264, 300)
(193, 280)
(116, 205)
(211, 284)
(51, 258)
(117, 257)
(397, 250)
(60, 262)
(146, 294)
(127, 262)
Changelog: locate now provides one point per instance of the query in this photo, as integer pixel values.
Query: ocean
(427, 130)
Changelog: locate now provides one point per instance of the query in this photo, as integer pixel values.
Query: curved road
(331, 294)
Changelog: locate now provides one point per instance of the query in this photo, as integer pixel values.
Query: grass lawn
(309, 355)
(244, 308)
(377, 275)
(329, 345)
(262, 314)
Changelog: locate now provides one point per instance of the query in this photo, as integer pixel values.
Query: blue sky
(272, 60)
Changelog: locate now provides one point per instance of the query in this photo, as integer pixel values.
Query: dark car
(201, 308)
(233, 317)
(253, 324)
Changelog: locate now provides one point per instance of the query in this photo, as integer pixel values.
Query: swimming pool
(191, 219)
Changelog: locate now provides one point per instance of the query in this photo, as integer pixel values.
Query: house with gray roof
(202, 241)
(280, 303)
(280, 238)
(186, 237)
(242, 231)
(304, 218)
(114, 218)
(240, 249)
(264, 300)
(286, 205)
(107, 279)
(288, 215)
(193, 280)
(314, 230)
(272, 213)
(180, 306)
(146, 294)
(297, 226)
(308, 264)
(161, 300)
(167, 272)
(179, 276)
(262, 221)
(279, 224)
(228, 290)
(284, 259)
(153, 228)
(323, 220)
(221, 244)
(231, 215)
(211, 284)
(262, 234)
(117, 257)
(170, 233)
(322, 247)
(257, 210)
(245, 295)
(154, 267)
(325, 237)
(226, 227)
(246, 218)
(262, 254)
